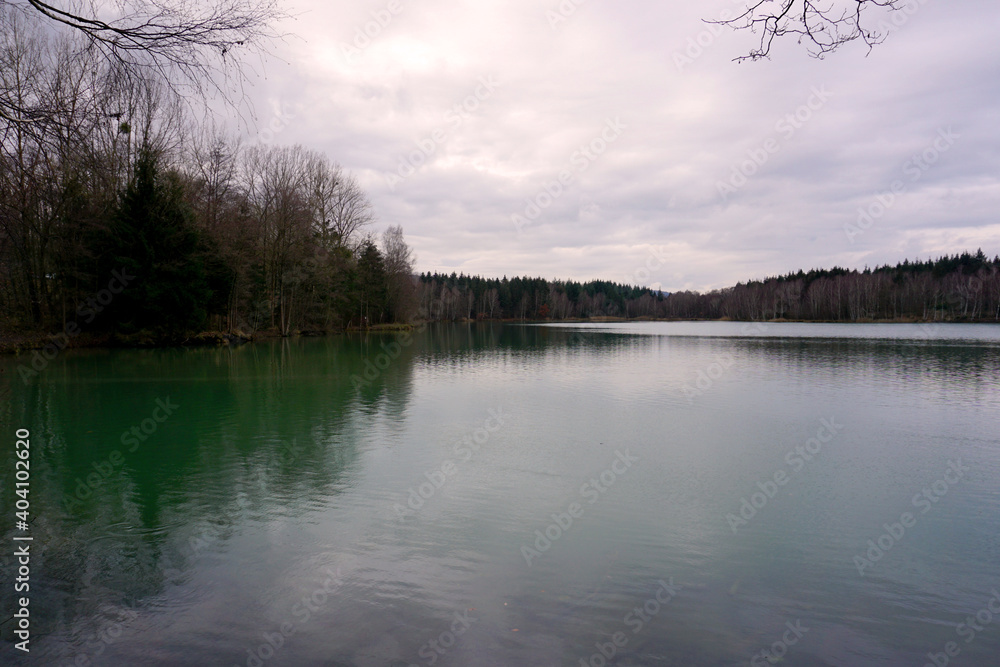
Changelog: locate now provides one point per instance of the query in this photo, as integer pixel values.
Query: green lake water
(688, 494)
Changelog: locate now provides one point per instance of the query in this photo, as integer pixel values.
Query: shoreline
(16, 343)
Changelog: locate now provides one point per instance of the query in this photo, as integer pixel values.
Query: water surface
(379, 500)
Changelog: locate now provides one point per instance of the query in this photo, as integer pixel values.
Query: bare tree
(186, 45)
(397, 255)
(59, 173)
(223, 211)
(824, 25)
(214, 165)
(273, 180)
(398, 258)
(340, 207)
(491, 301)
(349, 210)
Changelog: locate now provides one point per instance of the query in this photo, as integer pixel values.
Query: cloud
(689, 122)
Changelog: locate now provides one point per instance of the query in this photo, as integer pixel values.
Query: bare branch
(189, 46)
(823, 26)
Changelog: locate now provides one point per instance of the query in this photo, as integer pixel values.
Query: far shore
(14, 343)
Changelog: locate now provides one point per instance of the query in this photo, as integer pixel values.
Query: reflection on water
(370, 500)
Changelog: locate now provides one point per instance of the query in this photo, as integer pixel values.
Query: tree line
(115, 181)
(459, 297)
(962, 287)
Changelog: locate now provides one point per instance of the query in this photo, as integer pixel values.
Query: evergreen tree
(154, 239)
(372, 284)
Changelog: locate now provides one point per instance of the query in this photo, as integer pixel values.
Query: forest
(128, 217)
(126, 238)
(124, 214)
(963, 287)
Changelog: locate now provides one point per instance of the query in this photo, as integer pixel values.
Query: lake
(485, 494)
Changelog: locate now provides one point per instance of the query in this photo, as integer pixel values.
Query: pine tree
(372, 284)
(153, 237)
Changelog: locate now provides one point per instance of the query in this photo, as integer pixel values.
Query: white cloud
(687, 128)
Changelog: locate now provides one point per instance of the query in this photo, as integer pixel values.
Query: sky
(589, 139)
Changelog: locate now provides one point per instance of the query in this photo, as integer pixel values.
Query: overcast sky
(459, 115)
